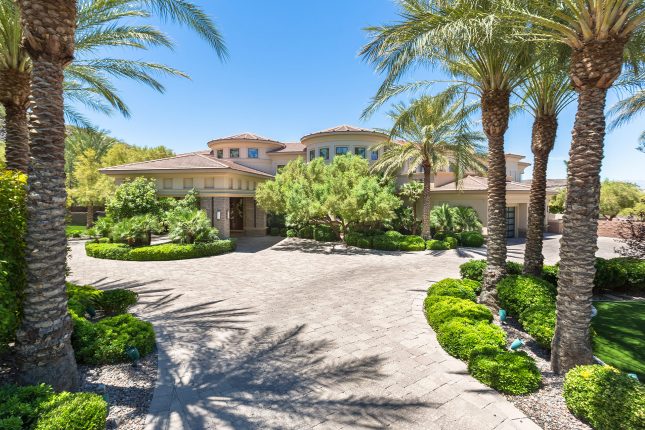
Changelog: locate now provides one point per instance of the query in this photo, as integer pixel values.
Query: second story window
(234, 153)
(342, 150)
(324, 153)
(374, 156)
(220, 153)
(312, 154)
(254, 153)
(167, 184)
(188, 183)
(360, 151)
(209, 183)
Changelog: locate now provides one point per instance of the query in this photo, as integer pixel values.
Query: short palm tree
(546, 92)
(43, 345)
(412, 191)
(600, 34)
(100, 24)
(432, 133)
(469, 41)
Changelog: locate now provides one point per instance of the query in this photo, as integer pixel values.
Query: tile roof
(247, 136)
(480, 183)
(290, 147)
(191, 161)
(551, 184)
(344, 129)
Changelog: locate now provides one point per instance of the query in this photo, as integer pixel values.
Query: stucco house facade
(227, 174)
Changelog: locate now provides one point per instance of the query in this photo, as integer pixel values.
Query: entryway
(237, 214)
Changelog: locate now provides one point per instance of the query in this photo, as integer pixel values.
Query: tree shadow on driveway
(272, 379)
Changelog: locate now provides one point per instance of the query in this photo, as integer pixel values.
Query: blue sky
(294, 69)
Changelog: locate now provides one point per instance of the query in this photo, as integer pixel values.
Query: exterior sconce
(219, 214)
(517, 344)
(228, 214)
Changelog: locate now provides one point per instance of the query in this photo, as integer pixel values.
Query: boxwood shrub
(440, 309)
(471, 239)
(385, 243)
(474, 269)
(532, 301)
(162, 252)
(412, 243)
(106, 340)
(460, 336)
(436, 245)
(451, 242)
(292, 232)
(117, 301)
(506, 371)
(619, 274)
(605, 398)
(38, 407)
(460, 288)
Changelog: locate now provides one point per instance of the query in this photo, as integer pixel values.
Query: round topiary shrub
(436, 245)
(451, 242)
(471, 239)
(454, 288)
(506, 371)
(473, 269)
(460, 336)
(412, 243)
(117, 301)
(440, 309)
(605, 398)
(386, 243)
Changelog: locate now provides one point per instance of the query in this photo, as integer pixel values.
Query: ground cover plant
(506, 371)
(618, 338)
(605, 398)
(72, 230)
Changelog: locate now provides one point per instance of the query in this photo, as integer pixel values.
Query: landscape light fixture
(517, 344)
(502, 315)
(133, 353)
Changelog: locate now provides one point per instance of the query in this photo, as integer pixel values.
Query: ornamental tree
(342, 194)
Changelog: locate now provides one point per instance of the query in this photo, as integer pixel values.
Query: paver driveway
(301, 335)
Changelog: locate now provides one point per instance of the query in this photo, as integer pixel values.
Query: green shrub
(283, 232)
(474, 269)
(103, 240)
(324, 233)
(513, 268)
(134, 197)
(352, 238)
(605, 398)
(117, 301)
(471, 239)
(440, 309)
(162, 252)
(451, 242)
(106, 341)
(436, 245)
(393, 234)
(109, 251)
(80, 297)
(461, 288)
(13, 186)
(550, 274)
(190, 225)
(103, 226)
(506, 371)
(532, 300)
(619, 274)
(292, 232)
(38, 407)
(306, 232)
(82, 411)
(274, 231)
(135, 231)
(385, 243)
(412, 243)
(440, 236)
(460, 336)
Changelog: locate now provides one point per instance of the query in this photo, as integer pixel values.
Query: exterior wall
(351, 140)
(263, 162)
(213, 205)
(281, 159)
(255, 220)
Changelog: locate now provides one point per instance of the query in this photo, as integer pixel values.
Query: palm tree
(469, 41)
(546, 92)
(412, 191)
(43, 348)
(630, 107)
(100, 24)
(431, 133)
(598, 33)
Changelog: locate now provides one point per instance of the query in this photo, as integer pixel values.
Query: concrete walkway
(298, 335)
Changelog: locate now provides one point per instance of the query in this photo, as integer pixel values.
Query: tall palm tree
(43, 341)
(546, 92)
(100, 24)
(469, 41)
(432, 133)
(633, 105)
(598, 33)
(43, 348)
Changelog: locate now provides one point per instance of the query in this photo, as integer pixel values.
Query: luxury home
(227, 174)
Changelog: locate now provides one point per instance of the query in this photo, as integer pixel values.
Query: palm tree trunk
(43, 344)
(543, 139)
(495, 114)
(425, 225)
(89, 219)
(593, 70)
(14, 96)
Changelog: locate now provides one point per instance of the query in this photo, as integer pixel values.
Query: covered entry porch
(235, 215)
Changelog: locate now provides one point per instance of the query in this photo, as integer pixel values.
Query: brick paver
(301, 335)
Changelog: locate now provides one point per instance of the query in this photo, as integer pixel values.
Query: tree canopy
(342, 194)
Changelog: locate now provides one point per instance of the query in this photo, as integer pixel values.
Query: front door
(237, 214)
(510, 222)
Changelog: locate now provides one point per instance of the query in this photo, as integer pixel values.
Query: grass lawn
(620, 340)
(71, 229)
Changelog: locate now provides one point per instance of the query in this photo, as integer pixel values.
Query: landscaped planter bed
(161, 252)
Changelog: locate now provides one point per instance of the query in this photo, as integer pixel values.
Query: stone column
(255, 221)
(213, 206)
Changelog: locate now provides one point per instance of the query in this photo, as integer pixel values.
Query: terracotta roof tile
(344, 129)
(480, 183)
(246, 136)
(290, 148)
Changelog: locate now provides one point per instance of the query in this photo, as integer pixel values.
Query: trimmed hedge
(460, 336)
(163, 252)
(106, 341)
(436, 245)
(460, 288)
(471, 239)
(474, 269)
(605, 398)
(324, 233)
(38, 407)
(117, 301)
(440, 309)
(532, 300)
(412, 243)
(506, 371)
(620, 274)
